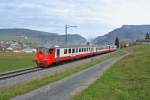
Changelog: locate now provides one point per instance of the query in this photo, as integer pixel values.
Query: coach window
(76, 50)
(79, 49)
(73, 50)
(65, 51)
(69, 50)
(82, 49)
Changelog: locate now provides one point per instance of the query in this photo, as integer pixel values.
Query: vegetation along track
(19, 72)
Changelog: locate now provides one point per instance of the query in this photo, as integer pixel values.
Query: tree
(117, 42)
(147, 36)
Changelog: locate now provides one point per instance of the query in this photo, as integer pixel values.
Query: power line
(66, 31)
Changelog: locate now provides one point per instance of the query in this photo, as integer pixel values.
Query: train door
(58, 54)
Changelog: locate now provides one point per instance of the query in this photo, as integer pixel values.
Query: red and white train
(48, 56)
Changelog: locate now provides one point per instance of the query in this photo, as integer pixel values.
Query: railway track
(19, 72)
(23, 71)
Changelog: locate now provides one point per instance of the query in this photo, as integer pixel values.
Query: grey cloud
(92, 16)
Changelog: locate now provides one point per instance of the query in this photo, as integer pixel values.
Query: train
(48, 56)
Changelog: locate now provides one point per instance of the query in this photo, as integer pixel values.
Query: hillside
(125, 33)
(39, 37)
(73, 39)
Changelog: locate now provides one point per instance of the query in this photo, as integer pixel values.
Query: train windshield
(51, 51)
(42, 50)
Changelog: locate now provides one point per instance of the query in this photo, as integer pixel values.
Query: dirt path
(64, 89)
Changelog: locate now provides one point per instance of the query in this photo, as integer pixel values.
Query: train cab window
(73, 50)
(65, 51)
(43, 51)
(76, 50)
(69, 50)
(40, 50)
(51, 51)
(46, 51)
(79, 49)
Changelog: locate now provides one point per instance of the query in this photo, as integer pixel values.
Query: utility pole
(66, 31)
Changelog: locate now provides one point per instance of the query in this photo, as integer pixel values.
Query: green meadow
(10, 61)
(22, 88)
(129, 79)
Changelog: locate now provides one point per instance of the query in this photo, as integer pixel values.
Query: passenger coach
(48, 56)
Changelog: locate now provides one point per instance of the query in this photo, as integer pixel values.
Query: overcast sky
(93, 17)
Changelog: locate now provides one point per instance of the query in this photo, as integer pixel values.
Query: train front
(44, 57)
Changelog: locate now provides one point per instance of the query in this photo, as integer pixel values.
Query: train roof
(85, 46)
(75, 46)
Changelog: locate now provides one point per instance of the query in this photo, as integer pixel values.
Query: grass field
(128, 79)
(18, 89)
(10, 61)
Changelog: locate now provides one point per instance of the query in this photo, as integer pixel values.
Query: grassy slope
(29, 40)
(12, 61)
(128, 79)
(18, 89)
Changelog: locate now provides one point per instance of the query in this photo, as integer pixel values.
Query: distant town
(15, 46)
